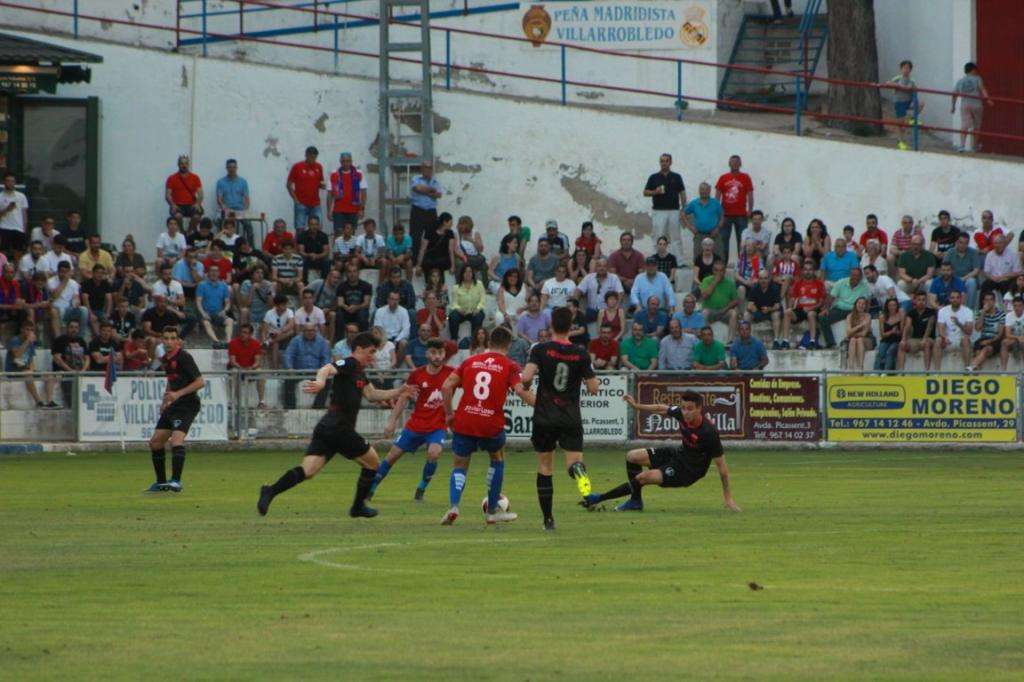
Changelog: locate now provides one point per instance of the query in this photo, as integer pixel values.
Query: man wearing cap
(653, 284)
(558, 241)
(305, 180)
(346, 196)
(424, 191)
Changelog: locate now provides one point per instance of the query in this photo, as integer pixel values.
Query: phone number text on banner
(946, 409)
(132, 412)
(605, 415)
(742, 407)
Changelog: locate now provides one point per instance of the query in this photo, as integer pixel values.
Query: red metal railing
(678, 96)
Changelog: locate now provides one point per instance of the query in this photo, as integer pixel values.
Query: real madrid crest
(536, 24)
(694, 32)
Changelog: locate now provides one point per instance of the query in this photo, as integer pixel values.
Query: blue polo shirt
(694, 320)
(941, 289)
(651, 324)
(214, 294)
(181, 272)
(234, 191)
(422, 200)
(836, 268)
(747, 354)
(705, 216)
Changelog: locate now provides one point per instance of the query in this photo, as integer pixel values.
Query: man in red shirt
(807, 298)
(736, 192)
(427, 423)
(277, 235)
(479, 422)
(984, 238)
(136, 353)
(216, 257)
(626, 262)
(184, 191)
(604, 350)
(871, 231)
(347, 194)
(305, 180)
(246, 353)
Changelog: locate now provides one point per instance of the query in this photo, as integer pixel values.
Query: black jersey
(181, 371)
(347, 393)
(563, 367)
(699, 445)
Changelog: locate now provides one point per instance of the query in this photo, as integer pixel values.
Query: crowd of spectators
(295, 298)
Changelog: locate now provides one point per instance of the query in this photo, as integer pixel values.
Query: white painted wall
(539, 160)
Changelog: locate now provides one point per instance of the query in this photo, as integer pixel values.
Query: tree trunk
(853, 55)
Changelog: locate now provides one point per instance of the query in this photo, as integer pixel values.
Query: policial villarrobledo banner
(132, 412)
(621, 25)
(921, 409)
(605, 415)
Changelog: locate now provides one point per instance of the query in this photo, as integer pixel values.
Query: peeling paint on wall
(604, 209)
(590, 94)
(445, 167)
(320, 123)
(184, 76)
(271, 147)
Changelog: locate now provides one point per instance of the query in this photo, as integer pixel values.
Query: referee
(672, 467)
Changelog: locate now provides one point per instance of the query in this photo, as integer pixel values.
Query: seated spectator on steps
(747, 267)
(45, 233)
(68, 354)
(639, 351)
(967, 263)
(542, 266)
(652, 283)
(916, 267)
(416, 351)
(370, 249)
(510, 298)
(746, 351)
(872, 233)
(993, 331)
(589, 242)
(403, 287)
(985, 237)
(65, 299)
(255, 297)
(873, 256)
(124, 319)
(883, 288)
(160, 316)
(32, 262)
(954, 325)
(216, 256)
(690, 318)
(106, 348)
(721, 298)
(851, 243)
(354, 296)
(559, 241)
(286, 270)
(595, 288)
(604, 350)
(432, 315)
(901, 240)
(20, 359)
(393, 319)
(807, 300)
(213, 301)
(944, 236)
(469, 247)
(98, 297)
(171, 244)
(764, 303)
(467, 303)
(918, 332)
(306, 351)
(325, 297)
(201, 238)
(277, 329)
(136, 355)
(37, 300)
(533, 320)
(652, 318)
(343, 348)
(308, 313)
(246, 259)
(837, 263)
(277, 236)
(398, 253)
(788, 236)
(613, 315)
(709, 354)
(58, 254)
(676, 349)
(556, 292)
(665, 261)
(128, 261)
(761, 236)
(890, 329)
(1002, 265)
(938, 290)
(859, 338)
(627, 262)
(245, 353)
(1013, 337)
(841, 301)
(189, 272)
(94, 255)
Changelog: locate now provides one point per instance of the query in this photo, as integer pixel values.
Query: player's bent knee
(638, 456)
(649, 477)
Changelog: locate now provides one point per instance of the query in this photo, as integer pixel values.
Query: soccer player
(672, 467)
(427, 423)
(479, 422)
(561, 367)
(336, 430)
(180, 406)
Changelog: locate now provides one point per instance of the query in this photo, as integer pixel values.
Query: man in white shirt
(556, 292)
(310, 314)
(883, 287)
(59, 254)
(1014, 338)
(170, 288)
(277, 328)
(32, 262)
(370, 246)
(394, 320)
(953, 327)
(13, 216)
(170, 244)
(760, 235)
(594, 286)
(45, 233)
(66, 301)
(1002, 265)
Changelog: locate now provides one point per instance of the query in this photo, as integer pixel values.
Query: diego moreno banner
(742, 407)
(605, 415)
(636, 25)
(921, 409)
(133, 410)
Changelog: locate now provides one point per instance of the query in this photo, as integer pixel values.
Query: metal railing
(334, 20)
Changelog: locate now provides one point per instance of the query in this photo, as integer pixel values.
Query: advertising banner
(636, 25)
(132, 411)
(921, 409)
(605, 415)
(743, 407)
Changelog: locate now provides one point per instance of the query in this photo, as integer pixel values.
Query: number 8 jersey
(562, 367)
(485, 379)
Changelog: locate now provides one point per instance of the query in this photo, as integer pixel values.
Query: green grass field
(873, 565)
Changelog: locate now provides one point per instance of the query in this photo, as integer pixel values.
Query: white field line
(317, 556)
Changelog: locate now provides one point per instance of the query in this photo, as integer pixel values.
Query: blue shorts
(903, 109)
(411, 441)
(464, 446)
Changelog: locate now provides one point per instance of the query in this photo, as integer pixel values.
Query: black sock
(177, 461)
(159, 465)
(632, 470)
(615, 493)
(545, 490)
(289, 479)
(363, 487)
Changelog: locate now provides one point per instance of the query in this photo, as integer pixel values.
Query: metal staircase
(791, 44)
(406, 135)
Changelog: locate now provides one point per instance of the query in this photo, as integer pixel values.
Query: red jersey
(421, 318)
(784, 267)
(901, 240)
(984, 241)
(428, 415)
(880, 236)
(183, 188)
(807, 294)
(244, 355)
(734, 188)
(604, 351)
(588, 245)
(486, 380)
(272, 242)
(307, 180)
(223, 264)
(347, 187)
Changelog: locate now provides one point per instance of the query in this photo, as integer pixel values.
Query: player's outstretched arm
(528, 373)
(395, 416)
(526, 395)
(322, 375)
(656, 408)
(374, 394)
(723, 473)
(447, 393)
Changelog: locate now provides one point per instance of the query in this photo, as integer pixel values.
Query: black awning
(28, 66)
(15, 50)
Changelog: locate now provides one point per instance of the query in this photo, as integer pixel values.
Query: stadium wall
(498, 155)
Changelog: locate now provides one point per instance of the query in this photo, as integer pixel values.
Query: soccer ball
(502, 504)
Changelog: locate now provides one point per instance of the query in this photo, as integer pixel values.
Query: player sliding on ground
(561, 368)
(336, 430)
(672, 467)
(179, 408)
(426, 425)
(479, 421)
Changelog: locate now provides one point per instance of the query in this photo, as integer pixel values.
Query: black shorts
(329, 440)
(546, 438)
(178, 417)
(669, 461)
(995, 346)
(799, 315)
(12, 240)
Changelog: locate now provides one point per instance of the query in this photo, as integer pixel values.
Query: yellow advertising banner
(922, 409)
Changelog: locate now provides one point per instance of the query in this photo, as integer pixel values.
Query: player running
(426, 425)
(561, 368)
(336, 430)
(672, 467)
(180, 406)
(479, 421)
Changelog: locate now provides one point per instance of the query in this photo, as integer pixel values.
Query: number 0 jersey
(562, 368)
(428, 415)
(486, 379)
